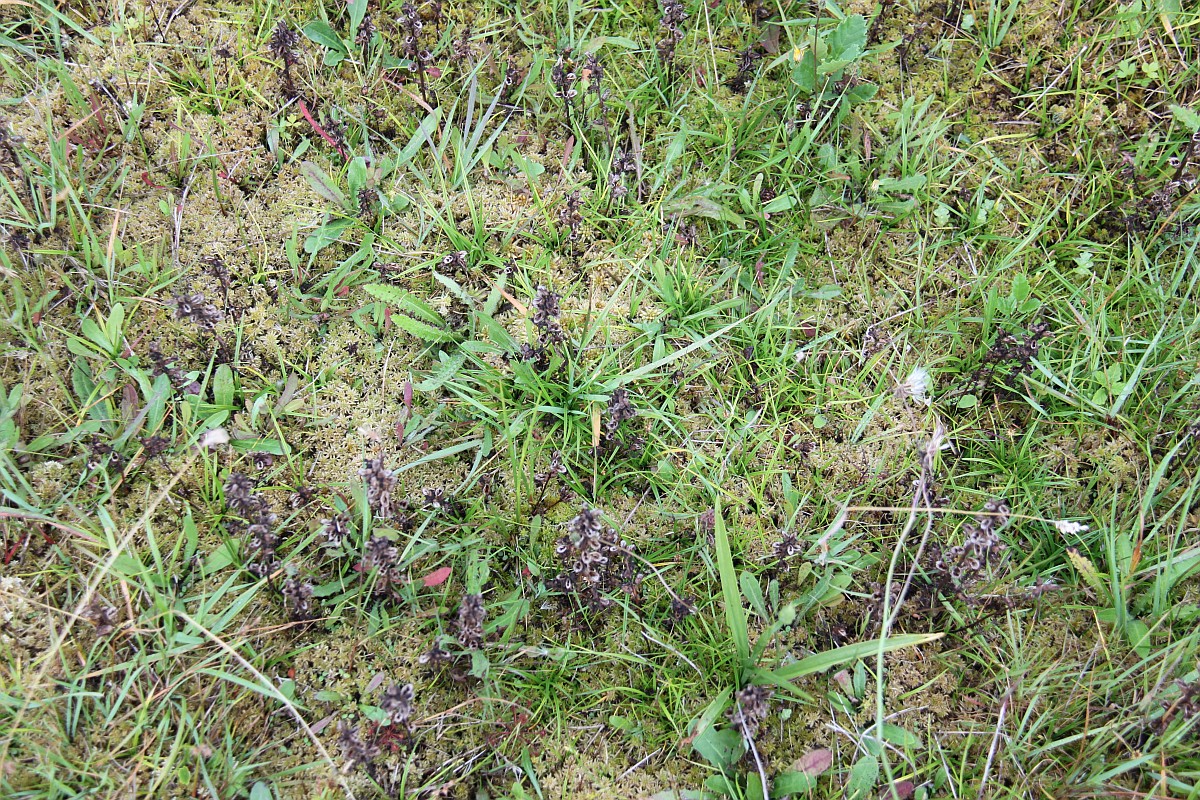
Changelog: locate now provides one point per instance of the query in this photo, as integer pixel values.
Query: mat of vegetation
(561, 399)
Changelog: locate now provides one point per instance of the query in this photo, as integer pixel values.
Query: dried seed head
(619, 410)
(283, 43)
(335, 529)
(751, 706)
(102, 615)
(546, 312)
(193, 307)
(381, 553)
(786, 548)
(471, 616)
(357, 751)
(397, 703)
(239, 494)
(915, 386)
(436, 656)
(302, 496)
(297, 596)
(380, 482)
(455, 260)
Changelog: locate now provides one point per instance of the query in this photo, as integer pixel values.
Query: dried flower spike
(397, 703)
(750, 707)
(380, 482)
(469, 625)
(195, 308)
(357, 751)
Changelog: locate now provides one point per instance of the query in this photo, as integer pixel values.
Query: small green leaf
(1020, 288)
(479, 665)
(827, 292)
(223, 388)
(356, 175)
(446, 370)
(721, 747)
(858, 94)
(93, 332)
(804, 73)
(863, 776)
(261, 791)
(900, 737)
(1186, 117)
(753, 594)
(790, 783)
(326, 235)
(785, 202)
(701, 206)
(219, 559)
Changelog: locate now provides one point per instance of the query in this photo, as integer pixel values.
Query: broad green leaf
(820, 662)
(701, 206)
(326, 235)
(358, 10)
(405, 301)
(735, 615)
(445, 371)
(320, 32)
(223, 388)
(499, 334)
(422, 330)
(909, 184)
(721, 747)
(93, 332)
(420, 136)
(848, 40)
(1186, 117)
(863, 776)
(321, 183)
(753, 594)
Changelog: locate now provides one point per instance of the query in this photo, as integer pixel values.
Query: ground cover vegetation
(561, 399)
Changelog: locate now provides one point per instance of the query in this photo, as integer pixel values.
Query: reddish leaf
(376, 681)
(437, 577)
(899, 791)
(316, 127)
(814, 762)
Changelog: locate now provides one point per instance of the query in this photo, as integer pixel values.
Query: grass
(698, 301)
